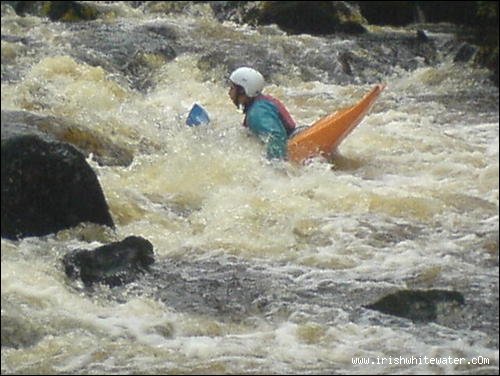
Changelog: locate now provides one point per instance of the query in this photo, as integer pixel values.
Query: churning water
(261, 267)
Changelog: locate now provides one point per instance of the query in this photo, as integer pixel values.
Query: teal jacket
(264, 119)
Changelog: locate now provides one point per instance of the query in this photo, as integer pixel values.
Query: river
(261, 267)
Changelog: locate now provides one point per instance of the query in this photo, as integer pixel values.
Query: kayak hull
(325, 135)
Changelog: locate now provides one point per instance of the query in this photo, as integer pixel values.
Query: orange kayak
(326, 134)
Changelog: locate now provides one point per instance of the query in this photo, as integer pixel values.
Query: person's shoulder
(258, 110)
(263, 105)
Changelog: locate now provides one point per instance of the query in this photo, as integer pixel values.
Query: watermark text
(419, 360)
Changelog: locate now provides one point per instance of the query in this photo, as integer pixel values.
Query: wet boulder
(47, 187)
(396, 13)
(417, 305)
(296, 17)
(318, 17)
(113, 264)
(134, 52)
(465, 53)
(68, 11)
(423, 46)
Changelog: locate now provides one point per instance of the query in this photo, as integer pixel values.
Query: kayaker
(265, 116)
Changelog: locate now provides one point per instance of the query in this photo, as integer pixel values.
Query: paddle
(197, 116)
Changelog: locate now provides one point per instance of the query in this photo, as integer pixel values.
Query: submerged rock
(113, 264)
(47, 187)
(132, 52)
(19, 332)
(416, 305)
(51, 128)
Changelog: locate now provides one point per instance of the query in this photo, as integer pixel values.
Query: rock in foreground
(416, 305)
(113, 264)
(47, 187)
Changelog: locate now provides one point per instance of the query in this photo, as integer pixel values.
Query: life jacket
(285, 116)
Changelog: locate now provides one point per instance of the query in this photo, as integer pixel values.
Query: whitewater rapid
(412, 202)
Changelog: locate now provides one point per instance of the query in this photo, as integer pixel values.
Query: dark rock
(266, 61)
(56, 10)
(397, 13)
(69, 11)
(124, 50)
(465, 53)
(316, 17)
(463, 12)
(23, 8)
(235, 11)
(416, 305)
(400, 13)
(345, 59)
(47, 187)
(14, 39)
(113, 264)
(422, 36)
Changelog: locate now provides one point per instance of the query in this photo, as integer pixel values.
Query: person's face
(233, 94)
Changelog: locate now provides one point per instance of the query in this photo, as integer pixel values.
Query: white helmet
(249, 79)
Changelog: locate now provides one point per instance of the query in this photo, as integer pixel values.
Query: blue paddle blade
(198, 115)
